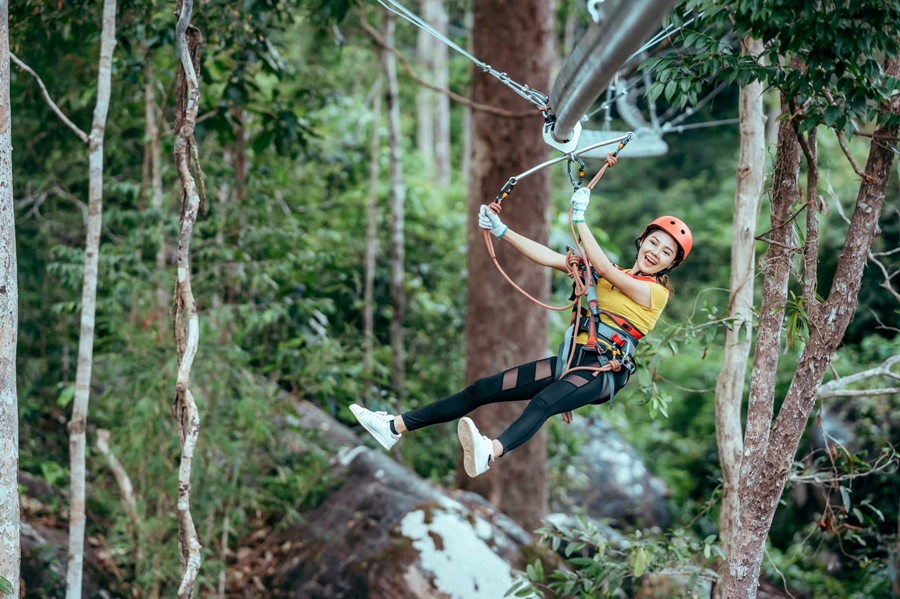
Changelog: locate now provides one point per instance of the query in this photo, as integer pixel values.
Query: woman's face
(657, 252)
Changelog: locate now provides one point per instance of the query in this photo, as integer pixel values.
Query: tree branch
(843, 142)
(81, 134)
(837, 387)
(121, 475)
(873, 257)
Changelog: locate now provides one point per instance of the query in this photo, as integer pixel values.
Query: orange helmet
(678, 230)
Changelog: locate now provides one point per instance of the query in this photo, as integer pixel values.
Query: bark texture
(768, 457)
(503, 328)
(186, 320)
(372, 233)
(10, 523)
(730, 382)
(398, 215)
(442, 166)
(749, 535)
(78, 423)
(154, 154)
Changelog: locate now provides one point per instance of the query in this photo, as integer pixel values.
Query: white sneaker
(478, 450)
(377, 423)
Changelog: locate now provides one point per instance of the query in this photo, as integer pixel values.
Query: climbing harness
(612, 345)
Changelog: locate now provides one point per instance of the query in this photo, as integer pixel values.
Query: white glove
(490, 221)
(580, 200)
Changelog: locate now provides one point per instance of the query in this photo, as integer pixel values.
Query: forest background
(284, 132)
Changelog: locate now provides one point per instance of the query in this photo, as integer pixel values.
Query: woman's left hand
(567, 417)
(611, 160)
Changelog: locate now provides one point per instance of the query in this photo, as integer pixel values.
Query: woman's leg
(516, 384)
(575, 390)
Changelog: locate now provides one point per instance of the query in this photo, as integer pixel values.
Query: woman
(631, 302)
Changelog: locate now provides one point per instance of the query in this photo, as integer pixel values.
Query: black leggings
(534, 381)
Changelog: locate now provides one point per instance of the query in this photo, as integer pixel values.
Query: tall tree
(372, 233)
(10, 555)
(730, 382)
(78, 423)
(503, 328)
(154, 156)
(398, 217)
(436, 14)
(770, 449)
(425, 97)
(186, 321)
(805, 57)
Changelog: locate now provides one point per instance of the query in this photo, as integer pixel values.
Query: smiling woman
(623, 306)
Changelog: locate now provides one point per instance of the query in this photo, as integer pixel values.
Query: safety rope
(540, 100)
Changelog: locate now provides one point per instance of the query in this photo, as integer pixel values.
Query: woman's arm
(637, 290)
(534, 251)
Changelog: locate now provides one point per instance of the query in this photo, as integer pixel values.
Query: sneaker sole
(467, 440)
(376, 436)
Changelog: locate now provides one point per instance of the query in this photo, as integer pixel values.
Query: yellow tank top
(613, 300)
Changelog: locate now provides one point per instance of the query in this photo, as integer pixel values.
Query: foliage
(602, 568)
(831, 64)
(278, 271)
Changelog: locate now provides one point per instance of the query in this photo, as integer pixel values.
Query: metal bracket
(566, 147)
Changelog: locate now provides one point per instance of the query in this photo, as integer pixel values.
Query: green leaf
(832, 113)
(671, 86)
(538, 571)
(66, 396)
(808, 124)
(640, 562)
(654, 92)
(6, 586)
(845, 498)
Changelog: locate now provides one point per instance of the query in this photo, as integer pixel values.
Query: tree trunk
(811, 247)
(151, 112)
(10, 552)
(398, 197)
(465, 166)
(442, 165)
(730, 382)
(241, 165)
(503, 328)
(186, 322)
(425, 98)
(765, 362)
(78, 424)
(768, 458)
(372, 235)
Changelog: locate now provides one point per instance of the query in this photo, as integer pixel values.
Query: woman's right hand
(490, 221)
(580, 200)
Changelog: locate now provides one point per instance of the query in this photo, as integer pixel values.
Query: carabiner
(573, 158)
(628, 137)
(506, 190)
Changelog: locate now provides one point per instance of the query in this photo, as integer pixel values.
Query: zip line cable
(538, 99)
